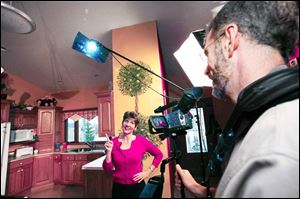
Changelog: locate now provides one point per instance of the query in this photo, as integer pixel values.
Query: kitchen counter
(97, 182)
(12, 158)
(94, 165)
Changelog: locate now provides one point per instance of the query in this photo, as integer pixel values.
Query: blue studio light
(90, 48)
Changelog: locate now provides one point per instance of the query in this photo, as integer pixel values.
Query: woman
(125, 154)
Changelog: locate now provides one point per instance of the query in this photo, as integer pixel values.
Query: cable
(142, 81)
(113, 52)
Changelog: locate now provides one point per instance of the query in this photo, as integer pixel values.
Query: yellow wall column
(139, 43)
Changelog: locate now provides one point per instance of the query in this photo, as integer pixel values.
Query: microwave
(21, 135)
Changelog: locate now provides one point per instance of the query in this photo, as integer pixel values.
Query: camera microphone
(189, 98)
(160, 109)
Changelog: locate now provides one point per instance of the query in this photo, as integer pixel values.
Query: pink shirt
(128, 162)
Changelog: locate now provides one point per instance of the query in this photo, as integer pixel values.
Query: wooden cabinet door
(43, 170)
(47, 127)
(46, 130)
(68, 171)
(46, 121)
(59, 124)
(68, 162)
(105, 113)
(14, 181)
(29, 120)
(27, 176)
(22, 119)
(5, 105)
(57, 169)
(20, 176)
(78, 177)
(16, 120)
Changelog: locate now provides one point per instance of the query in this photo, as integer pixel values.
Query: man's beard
(221, 77)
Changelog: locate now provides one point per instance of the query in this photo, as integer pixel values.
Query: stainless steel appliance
(24, 151)
(5, 133)
(21, 135)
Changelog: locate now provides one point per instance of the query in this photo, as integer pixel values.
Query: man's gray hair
(272, 23)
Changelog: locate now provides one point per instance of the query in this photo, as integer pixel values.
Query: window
(81, 126)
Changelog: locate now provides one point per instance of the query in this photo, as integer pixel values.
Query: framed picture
(193, 136)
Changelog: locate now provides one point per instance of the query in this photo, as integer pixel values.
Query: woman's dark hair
(131, 114)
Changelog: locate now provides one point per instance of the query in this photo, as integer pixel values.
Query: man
(248, 45)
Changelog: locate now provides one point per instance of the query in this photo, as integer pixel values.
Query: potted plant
(3, 91)
(4, 88)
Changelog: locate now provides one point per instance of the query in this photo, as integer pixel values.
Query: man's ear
(232, 35)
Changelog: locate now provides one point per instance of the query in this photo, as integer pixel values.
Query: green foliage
(89, 131)
(3, 87)
(133, 80)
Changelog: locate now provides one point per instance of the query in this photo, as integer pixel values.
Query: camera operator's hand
(189, 182)
(108, 146)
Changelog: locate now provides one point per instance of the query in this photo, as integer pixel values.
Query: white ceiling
(45, 56)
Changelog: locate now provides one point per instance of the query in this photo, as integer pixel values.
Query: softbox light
(192, 59)
(90, 48)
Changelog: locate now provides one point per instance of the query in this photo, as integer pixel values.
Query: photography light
(192, 59)
(90, 48)
(99, 52)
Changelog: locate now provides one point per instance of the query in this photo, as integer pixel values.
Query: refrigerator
(5, 134)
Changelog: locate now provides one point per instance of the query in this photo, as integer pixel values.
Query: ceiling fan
(14, 20)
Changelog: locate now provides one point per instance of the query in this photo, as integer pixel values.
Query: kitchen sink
(85, 150)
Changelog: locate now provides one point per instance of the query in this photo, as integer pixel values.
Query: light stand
(207, 183)
(154, 187)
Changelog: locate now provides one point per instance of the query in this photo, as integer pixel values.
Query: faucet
(91, 144)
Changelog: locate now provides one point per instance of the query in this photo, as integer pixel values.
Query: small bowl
(29, 108)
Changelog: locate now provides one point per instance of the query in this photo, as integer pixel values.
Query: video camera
(180, 118)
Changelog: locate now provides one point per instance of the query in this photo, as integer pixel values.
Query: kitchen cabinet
(47, 129)
(97, 182)
(79, 178)
(59, 125)
(23, 119)
(20, 176)
(57, 168)
(105, 113)
(71, 168)
(43, 170)
(5, 105)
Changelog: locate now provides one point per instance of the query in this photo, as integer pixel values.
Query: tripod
(154, 187)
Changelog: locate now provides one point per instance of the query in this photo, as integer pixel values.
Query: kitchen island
(97, 182)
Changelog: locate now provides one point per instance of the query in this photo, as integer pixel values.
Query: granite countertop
(94, 165)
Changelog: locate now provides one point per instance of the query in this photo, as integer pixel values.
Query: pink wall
(80, 99)
(23, 91)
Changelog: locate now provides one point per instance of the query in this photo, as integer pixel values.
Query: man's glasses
(206, 46)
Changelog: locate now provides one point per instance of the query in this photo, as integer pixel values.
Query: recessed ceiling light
(3, 49)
